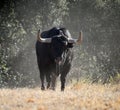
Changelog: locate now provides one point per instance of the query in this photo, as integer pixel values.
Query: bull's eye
(70, 45)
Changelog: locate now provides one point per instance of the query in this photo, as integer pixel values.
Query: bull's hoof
(42, 88)
(48, 86)
(62, 89)
(52, 88)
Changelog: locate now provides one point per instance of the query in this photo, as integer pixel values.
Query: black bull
(54, 55)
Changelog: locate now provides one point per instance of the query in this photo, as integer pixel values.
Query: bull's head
(60, 43)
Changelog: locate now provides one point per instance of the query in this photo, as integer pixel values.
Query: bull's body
(46, 59)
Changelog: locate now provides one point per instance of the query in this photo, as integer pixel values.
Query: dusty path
(76, 97)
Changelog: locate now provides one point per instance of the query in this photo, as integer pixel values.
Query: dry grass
(79, 96)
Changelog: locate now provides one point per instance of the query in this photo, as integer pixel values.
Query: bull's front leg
(53, 81)
(64, 73)
(48, 78)
(42, 81)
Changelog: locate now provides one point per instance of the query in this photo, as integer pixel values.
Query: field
(79, 96)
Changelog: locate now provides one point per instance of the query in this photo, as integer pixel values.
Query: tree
(19, 25)
(100, 23)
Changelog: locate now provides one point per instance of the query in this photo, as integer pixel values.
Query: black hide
(50, 56)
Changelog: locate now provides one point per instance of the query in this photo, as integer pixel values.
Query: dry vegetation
(80, 96)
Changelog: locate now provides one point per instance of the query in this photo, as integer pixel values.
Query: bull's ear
(70, 45)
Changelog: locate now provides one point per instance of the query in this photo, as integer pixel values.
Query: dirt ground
(79, 96)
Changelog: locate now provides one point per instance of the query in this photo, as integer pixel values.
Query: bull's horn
(76, 41)
(79, 40)
(43, 40)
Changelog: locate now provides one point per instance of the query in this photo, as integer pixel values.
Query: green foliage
(100, 23)
(115, 79)
(12, 36)
(98, 57)
(19, 22)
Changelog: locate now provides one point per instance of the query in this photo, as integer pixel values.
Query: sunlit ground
(80, 96)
